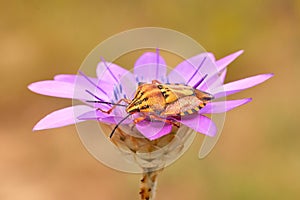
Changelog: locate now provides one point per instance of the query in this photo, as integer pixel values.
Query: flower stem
(148, 184)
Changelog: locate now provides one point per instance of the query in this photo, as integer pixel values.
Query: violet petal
(53, 88)
(200, 123)
(223, 106)
(150, 66)
(66, 89)
(223, 75)
(110, 72)
(237, 86)
(153, 129)
(190, 71)
(103, 117)
(214, 81)
(70, 78)
(62, 117)
(224, 62)
(115, 75)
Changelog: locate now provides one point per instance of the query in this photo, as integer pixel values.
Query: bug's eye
(160, 86)
(208, 98)
(145, 107)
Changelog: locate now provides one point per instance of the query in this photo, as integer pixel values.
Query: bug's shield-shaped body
(167, 99)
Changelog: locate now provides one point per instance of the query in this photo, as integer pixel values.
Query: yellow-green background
(258, 155)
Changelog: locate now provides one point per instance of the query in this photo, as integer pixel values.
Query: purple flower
(114, 83)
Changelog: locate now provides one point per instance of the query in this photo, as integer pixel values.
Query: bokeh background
(258, 155)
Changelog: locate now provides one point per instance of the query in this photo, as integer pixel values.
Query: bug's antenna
(120, 122)
(104, 102)
(94, 95)
(200, 81)
(101, 101)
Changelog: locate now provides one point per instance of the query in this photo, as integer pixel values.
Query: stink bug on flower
(161, 101)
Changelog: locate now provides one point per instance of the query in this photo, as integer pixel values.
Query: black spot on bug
(145, 99)
(145, 107)
(207, 98)
(185, 112)
(165, 94)
(160, 87)
(193, 110)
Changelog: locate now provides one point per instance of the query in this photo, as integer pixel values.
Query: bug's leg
(164, 120)
(112, 108)
(155, 82)
(141, 118)
(138, 119)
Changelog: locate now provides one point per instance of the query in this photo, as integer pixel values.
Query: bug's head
(142, 98)
(204, 96)
(138, 105)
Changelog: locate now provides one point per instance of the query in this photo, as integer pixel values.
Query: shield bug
(161, 101)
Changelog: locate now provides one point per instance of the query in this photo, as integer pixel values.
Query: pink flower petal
(223, 106)
(53, 88)
(237, 86)
(110, 72)
(103, 117)
(70, 78)
(69, 90)
(193, 69)
(223, 75)
(200, 123)
(224, 62)
(211, 56)
(215, 81)
(153, 129)
(62, 117)
(120, 80)
(150, 66)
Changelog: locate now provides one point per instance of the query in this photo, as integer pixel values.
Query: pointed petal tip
(213, 131)
(222, 63)
(35, 87)
(270, 75)
(248, 100)
(212, 134)
(37, 127)
(239, 52)
(30, 87)
(266, 76)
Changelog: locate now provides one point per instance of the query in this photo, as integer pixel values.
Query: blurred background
(258, 154)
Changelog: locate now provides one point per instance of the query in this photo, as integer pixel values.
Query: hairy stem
(148, 184)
